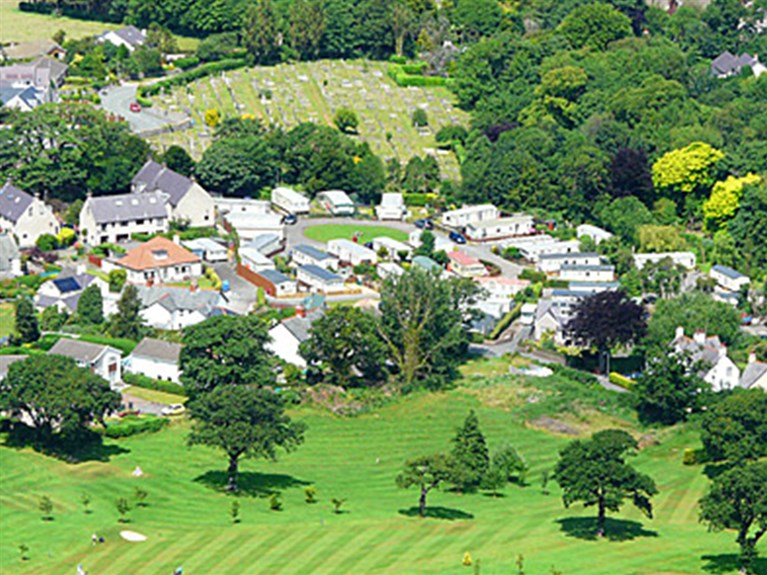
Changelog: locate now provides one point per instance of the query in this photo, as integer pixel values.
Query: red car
(135, 107)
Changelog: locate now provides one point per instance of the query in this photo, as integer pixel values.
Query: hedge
(505, 322)
(133, 425)
(416, 200)
(191, 75)
(574, 374)
(138, 380)
(186, 63)
(621, 380)
(399, 73)
(143, 102)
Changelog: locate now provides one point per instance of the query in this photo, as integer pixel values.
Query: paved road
(118, 100)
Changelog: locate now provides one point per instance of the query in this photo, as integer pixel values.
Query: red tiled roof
(159, 252)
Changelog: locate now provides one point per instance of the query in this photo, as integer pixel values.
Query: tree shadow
(714, 470)
(84, 446)
(615, 529)
(728, 563)
(445, 513)
(250, 483)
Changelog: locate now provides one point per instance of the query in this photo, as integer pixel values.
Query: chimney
(193, 286)
(679, 332)
(722, 350)
(752, 357)
(699, 336)
(177, 239)
(300, 311)
(80, 269)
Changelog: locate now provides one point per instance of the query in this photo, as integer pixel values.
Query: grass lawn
(6, 319)
(327, 232)
(154, 395)
(186, 517)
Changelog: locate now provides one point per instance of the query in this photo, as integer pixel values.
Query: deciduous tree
(427, 473)
(735, 428)
(595, 25)
(26, 321)
(127, 322)
(90, 306)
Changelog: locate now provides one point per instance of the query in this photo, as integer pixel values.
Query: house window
(139, 222)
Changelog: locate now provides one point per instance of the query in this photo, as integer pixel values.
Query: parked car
(135, 107)
(424, 224)
(173, 409)
(457, 237)
(290, 220)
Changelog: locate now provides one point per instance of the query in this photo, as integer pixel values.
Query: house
(6, 361)
(155, 358)
(207, 249)
(267, 244)
(275, 283)
(527, 313)
(594, 233)
(250, 225)
(719, 370)
(351, 252)
(389, 269)
(318, 279)
(726, 296)
(462, 217)
(44, 74)
(587, 273)
(242, 206)
(336, 202)
(427, 264)
(500, 287)
(103, 360)
(254, 260)
(22, 99)
(64, 291)
(500, 228)
(549, 321)
(159, 260)
(394, 249)
(128, 36)
(288, 335)
(754, 376)
(553, 263)
(728, 64)
(10, 258)
(112, 219)
(392, 207)
(187, 200)
(303, 254)
(464, 265)
(684, 259)
(25, 216)
(34, 49)
(290, 201)
(172, 308)
(728, 278)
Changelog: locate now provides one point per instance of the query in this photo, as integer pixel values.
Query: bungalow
(102, 360)
(159, 260)
(427, 264)
(25, 216)
(755, 374)
(128, 36)
(290, 201)
(389, 269)
(351, 252)
(249, 224)
(491, 230)
(112, 219)
(728, 278)
(502, 287)
(719, 370)
(728, 64)
(288, 335)
(10, 258)
(22, 99)
(155, 358)
(336, 202)
(303, 254)
(392, 207)
(172, 308)
(320, 280)
(394, 249)
(464, 265)
(207, 249)
(254, 260)
(64, 291)
(552, 263)
(34, 49)
(188, 201)
(462, 217)
(587, 273)
(275, 283)
(594, 233)
(684, 259)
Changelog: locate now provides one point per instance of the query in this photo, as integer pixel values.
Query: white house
(684, 259)
(719, 370)
(318, 279)
(464, 216)
(491, 230)
(288, 335)
(155, 358)
(527, 313)
(277, 284)
(207, 249)
(594, 233)
(351, 252)
(587, 273)
(102, 360)
(44, 75)
(393, 247)
(289, 200)
(465, 265)
(303, 254)
(10, 258)
(755, 374)
(25, 216)
(23, 99)
(392, 207)
(552, 263)
(336, 202)
(502, 287)
(158, 260)
(728, 278)
(535, 249)
(112, 219)
(188, 201)
(254, 260)
(128, 36)
(249, 225)
(64, 291)
(171, 308)
(549, 321)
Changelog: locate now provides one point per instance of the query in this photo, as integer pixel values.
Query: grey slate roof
(265, 243)
(274, 276)
(158, 349)
(426, 263)
(131, 35)
(314, 253)
(79, 350)
(128, 207)
(569, 255)
(9, 251)
(320, 273)
(156, 177)
(299, 326)
(753, 372)
(728, 63)
(6, 361)
(587, 268)
(174, 299)
(28, 95)
(13, 202)
(728, 271)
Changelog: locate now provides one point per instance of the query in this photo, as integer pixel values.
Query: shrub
(346, 120)
(621, 380)
(689, 457)
(275, 502)
(143, 102)
(532, 275)
(212, 118)
(419, 118)
(417, 200)
(66, 236)
(138, 380)
(133, 425)
(506, 321)
(47, 242)
(186, 63)
(310, 494)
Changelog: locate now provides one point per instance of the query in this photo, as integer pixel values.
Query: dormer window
(160, 254)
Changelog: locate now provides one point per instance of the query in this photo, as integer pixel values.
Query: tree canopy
(735, 427)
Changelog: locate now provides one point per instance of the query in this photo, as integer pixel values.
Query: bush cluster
(133, 425)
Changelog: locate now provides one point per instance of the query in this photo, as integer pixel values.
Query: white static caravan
(351, 252)
(290, 201)
(464, 216)
(392, 246)
(489, 230)
(336, 202)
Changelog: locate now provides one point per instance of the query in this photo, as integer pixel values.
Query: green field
(6, 319)
(311, 92)
(327, 232)
(187, 523)
(154, 395)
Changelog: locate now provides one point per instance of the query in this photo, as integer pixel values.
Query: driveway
(241, 294)
(118, 99)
